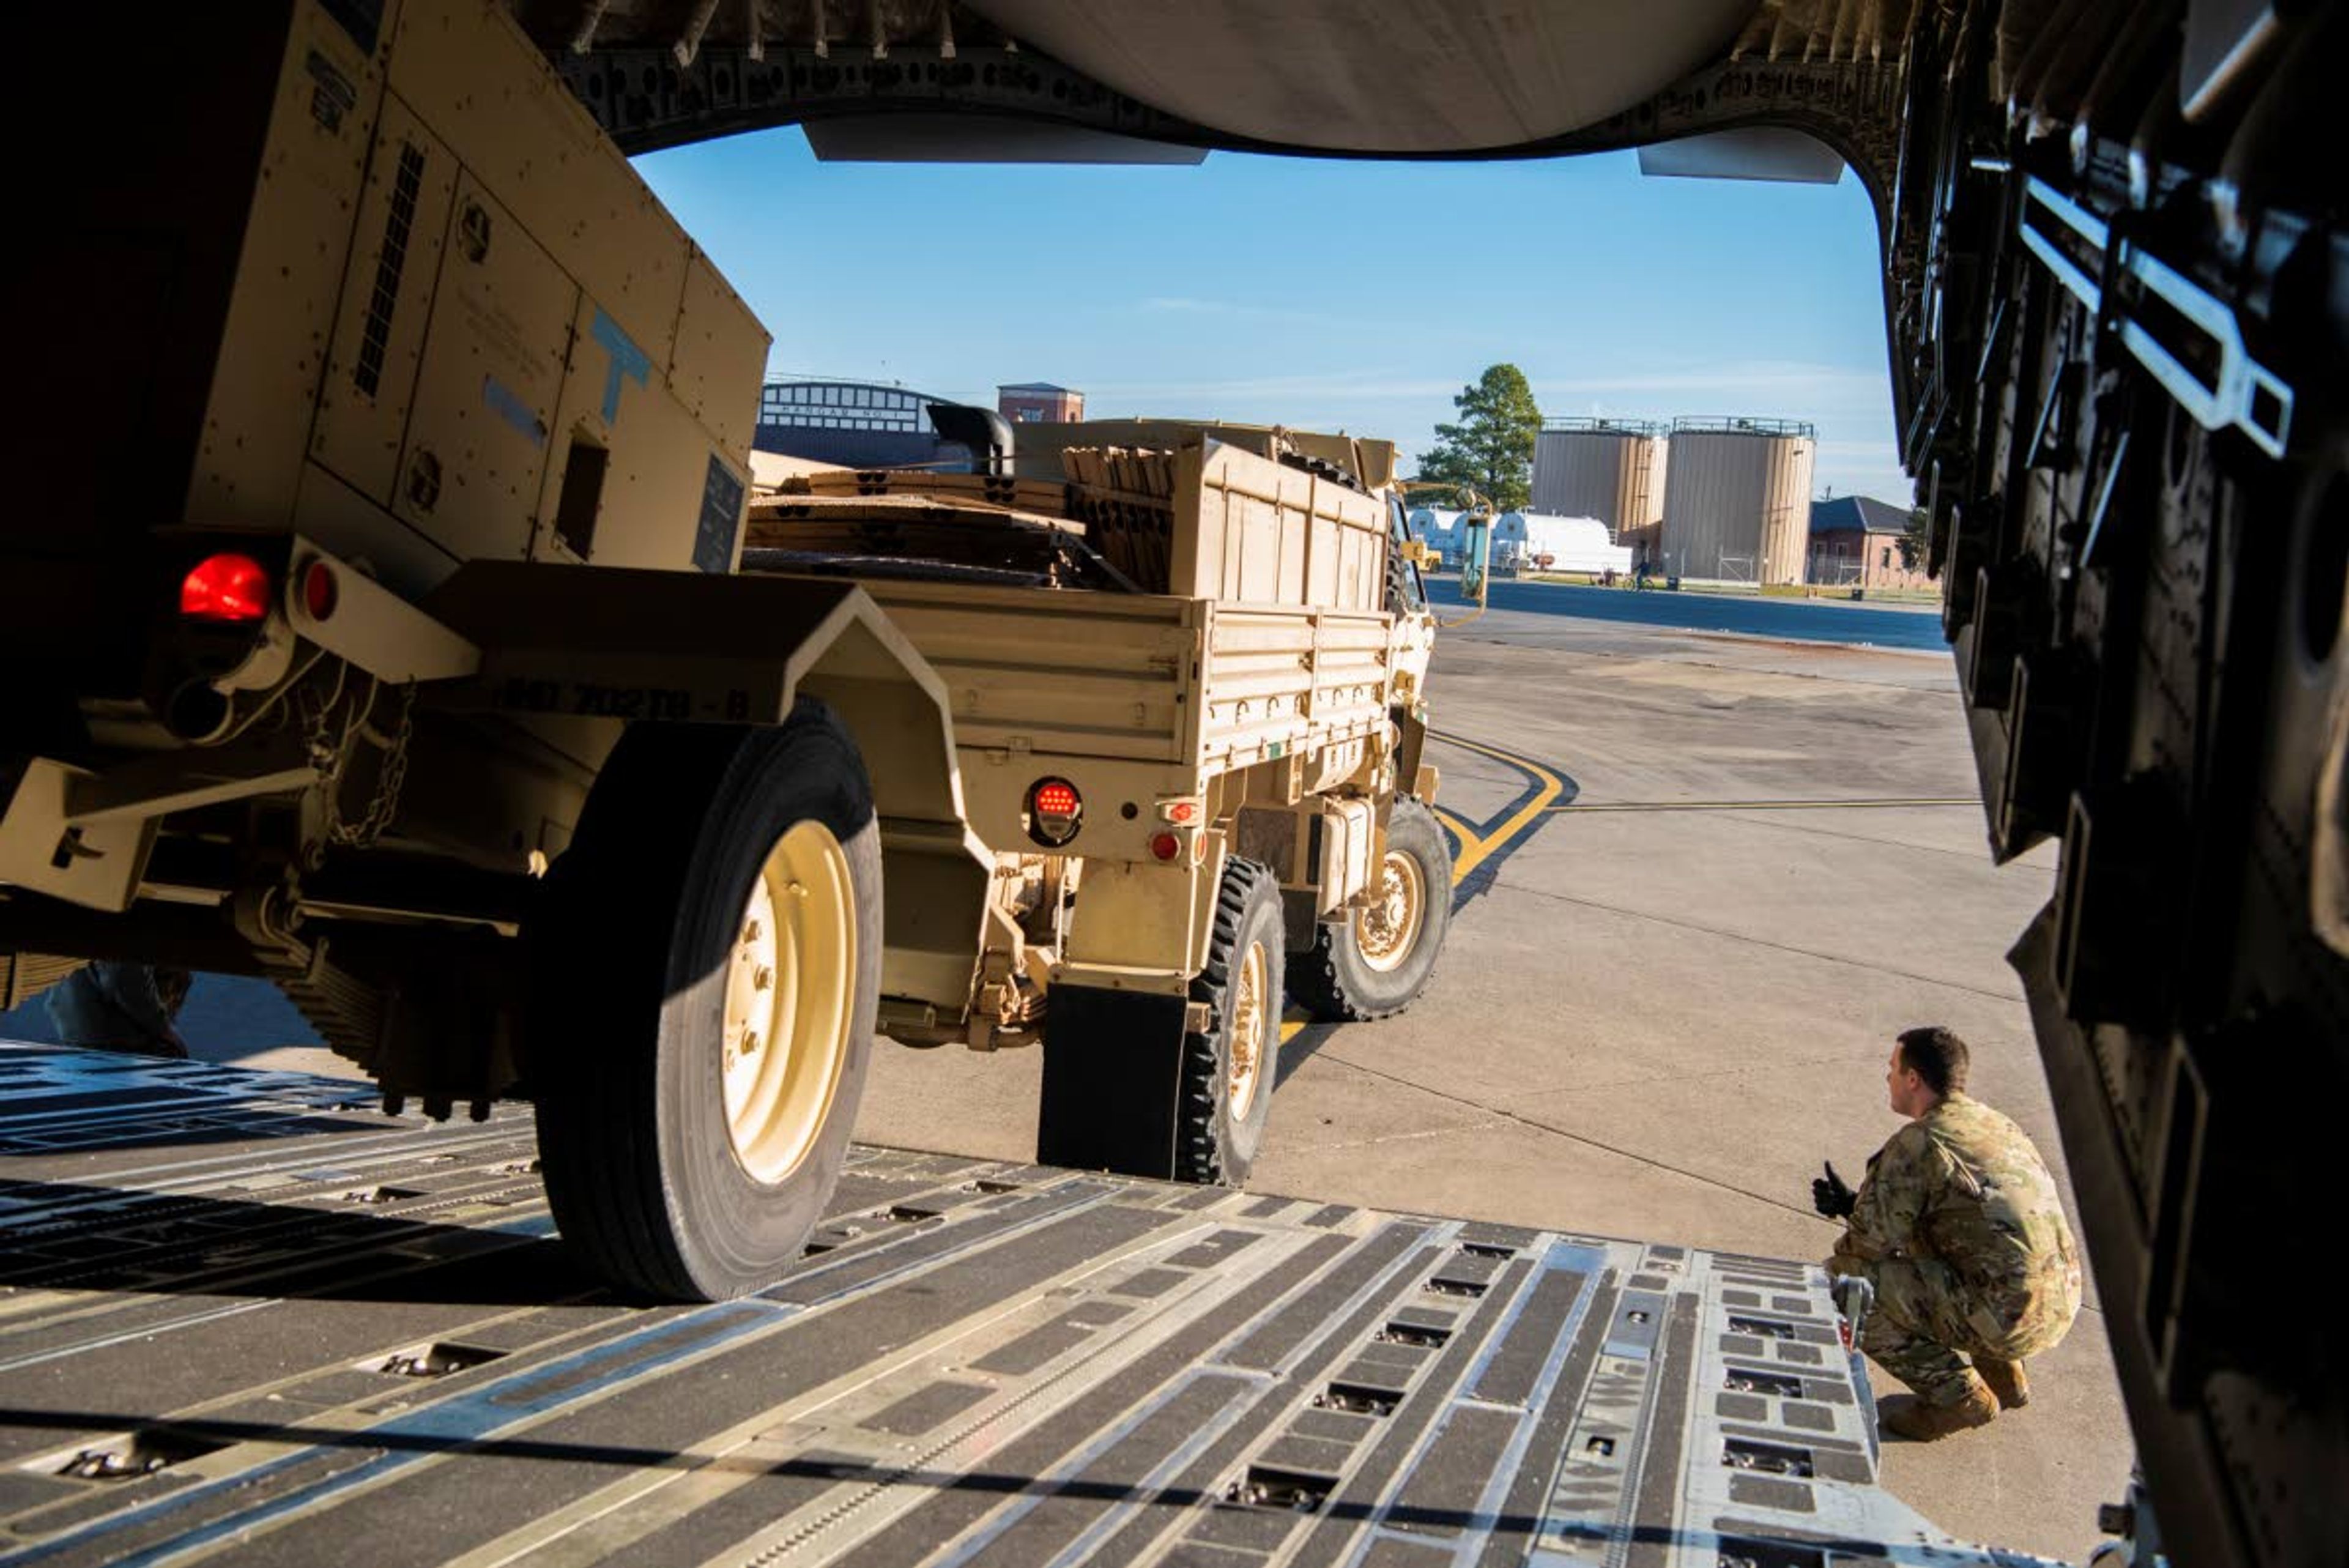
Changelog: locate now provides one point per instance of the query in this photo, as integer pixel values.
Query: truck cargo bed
(1197, 683)
(244, 1314)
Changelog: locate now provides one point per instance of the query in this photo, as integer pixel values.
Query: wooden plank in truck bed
(1049, 496)
(243, 1316)
(1258, 531)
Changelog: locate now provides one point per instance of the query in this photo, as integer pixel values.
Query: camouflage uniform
(1959, 1227)
(121, 1007)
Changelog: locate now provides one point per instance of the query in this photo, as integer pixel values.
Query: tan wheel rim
(1251, 997)
(790, 987)
(1387, 928)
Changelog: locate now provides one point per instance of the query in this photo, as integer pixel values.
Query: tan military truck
(387, 623)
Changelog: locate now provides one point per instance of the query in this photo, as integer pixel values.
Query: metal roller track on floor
(243, 1316)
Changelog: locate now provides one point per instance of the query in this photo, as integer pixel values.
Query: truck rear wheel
(1375, 962)
(705, 974)
(1228, 1067)
(1127, 1087)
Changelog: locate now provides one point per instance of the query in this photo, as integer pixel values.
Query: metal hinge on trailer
(2186, 338)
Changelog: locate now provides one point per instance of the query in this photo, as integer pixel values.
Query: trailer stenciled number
(588, 698)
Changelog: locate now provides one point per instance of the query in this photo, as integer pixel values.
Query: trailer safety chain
(331, 758)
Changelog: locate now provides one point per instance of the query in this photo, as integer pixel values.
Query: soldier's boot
(2006, 1381)
(1922, 1423)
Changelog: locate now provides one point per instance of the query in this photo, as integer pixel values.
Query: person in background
(1959, 1227)
(121, 1007)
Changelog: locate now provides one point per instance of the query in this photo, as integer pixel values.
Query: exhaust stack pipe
(987, 434)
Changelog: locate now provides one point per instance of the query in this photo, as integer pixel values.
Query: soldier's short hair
(1937, 1056)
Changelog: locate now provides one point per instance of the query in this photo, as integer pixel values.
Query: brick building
(1855, 543)
(1034, 402)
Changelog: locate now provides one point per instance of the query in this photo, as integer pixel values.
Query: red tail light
(320, 592)
(225, 588)
(1165, 845)
(1054, 810)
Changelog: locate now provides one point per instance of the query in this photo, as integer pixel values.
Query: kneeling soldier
(1958, 1227)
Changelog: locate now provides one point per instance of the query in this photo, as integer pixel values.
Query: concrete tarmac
(1666, 999)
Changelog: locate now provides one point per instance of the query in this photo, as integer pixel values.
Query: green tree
(1914, 539)
(1491, 450)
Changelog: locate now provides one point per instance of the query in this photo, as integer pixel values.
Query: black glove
(1830, 1196)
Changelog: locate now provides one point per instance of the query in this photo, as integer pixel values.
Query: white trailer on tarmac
(1541, 542)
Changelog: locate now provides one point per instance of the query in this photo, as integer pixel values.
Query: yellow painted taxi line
(1474, 846)
(1462, 829)
(1874, 803)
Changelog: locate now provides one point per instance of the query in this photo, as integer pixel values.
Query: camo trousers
(1926, 1327)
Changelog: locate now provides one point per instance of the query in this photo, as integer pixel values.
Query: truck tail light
(1054, 811)
(320, 592)
(225, 588)
(1164, 845)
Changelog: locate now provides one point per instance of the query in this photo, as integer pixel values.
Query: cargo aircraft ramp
(246, 1317)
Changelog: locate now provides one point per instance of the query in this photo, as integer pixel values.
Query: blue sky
(1319, 294)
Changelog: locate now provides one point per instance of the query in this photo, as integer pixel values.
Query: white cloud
(1239, 317)
(1789, 389)
(1176, 305)
(1366, 385)
(1244, 315)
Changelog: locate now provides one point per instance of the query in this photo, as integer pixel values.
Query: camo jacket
(1962, 1185)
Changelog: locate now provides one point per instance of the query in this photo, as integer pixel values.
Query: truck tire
(705, 969)
(1374, 962)
(1402, 598)
(1228, 1067)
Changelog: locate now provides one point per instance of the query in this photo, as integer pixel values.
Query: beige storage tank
(1737, 499)
(1612, 470)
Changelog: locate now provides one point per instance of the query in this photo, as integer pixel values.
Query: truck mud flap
(1112, 1067)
